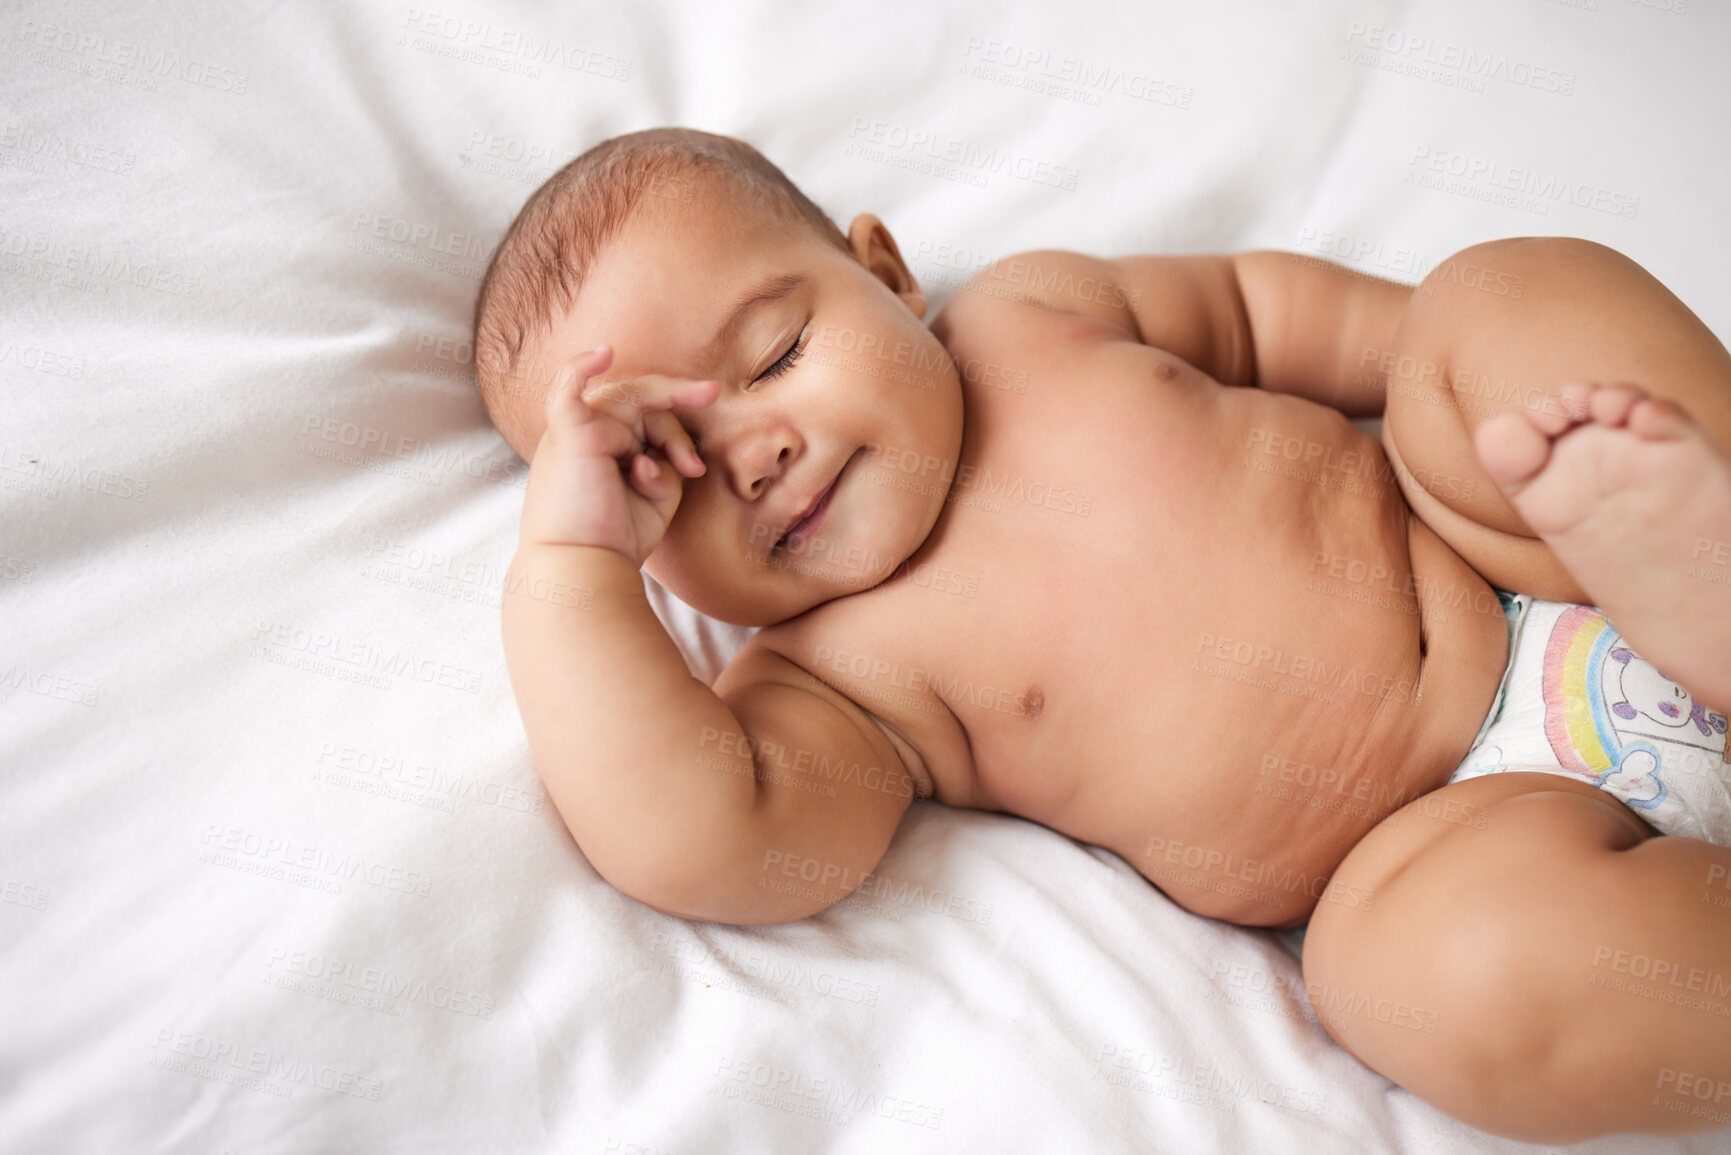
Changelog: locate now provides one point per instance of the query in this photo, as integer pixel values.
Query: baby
(1100, 547)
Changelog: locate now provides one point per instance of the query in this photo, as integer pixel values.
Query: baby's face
(821, 382)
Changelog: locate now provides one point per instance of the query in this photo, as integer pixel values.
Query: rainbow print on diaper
(1612, 718)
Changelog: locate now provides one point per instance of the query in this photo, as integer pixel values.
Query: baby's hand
(594, 479)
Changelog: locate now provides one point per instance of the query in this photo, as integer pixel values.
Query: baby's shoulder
(856, 654)
(1053, 283)
(865, 629)
(1036, 304)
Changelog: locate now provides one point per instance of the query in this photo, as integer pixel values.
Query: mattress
(276, 871)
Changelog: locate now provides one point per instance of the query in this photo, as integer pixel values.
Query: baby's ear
(872, 246)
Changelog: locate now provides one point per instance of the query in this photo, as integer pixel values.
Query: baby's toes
(1656, 419)
(1575, 400)
(1511, 450)
(1610, 404)
(1563, 408)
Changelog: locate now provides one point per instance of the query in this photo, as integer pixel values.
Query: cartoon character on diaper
(1615, 720)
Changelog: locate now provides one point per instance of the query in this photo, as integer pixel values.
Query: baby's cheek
(688, 550)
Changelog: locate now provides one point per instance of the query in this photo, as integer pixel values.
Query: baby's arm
(1320, 330)
(652, 771)
(1285, 322)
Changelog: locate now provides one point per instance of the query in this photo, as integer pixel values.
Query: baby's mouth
(809, 523)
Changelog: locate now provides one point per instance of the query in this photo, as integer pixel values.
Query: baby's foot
(1636, 503)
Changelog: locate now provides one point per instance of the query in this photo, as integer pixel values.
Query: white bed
(277, 873)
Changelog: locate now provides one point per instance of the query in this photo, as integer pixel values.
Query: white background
(277, 873)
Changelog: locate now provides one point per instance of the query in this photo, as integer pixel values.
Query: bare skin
(1633, 496)
(1104, 553)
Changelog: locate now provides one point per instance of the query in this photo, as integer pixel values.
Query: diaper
(1576, 700)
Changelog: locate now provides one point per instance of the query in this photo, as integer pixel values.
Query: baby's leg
(1533, 962)
(1628, 509)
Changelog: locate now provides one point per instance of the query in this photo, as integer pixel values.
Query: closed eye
(787, 360)
(782, 364)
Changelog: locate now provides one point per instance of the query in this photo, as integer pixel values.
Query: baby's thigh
(1483, 975)
(1498, 328)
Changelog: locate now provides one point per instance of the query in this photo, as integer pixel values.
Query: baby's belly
(1242, 661)
(1236, 761)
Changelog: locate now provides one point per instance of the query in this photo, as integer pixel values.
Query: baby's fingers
(585, 434)
(629, 398)
(565, 405)
(657, 484)
(693, 394)
(662, 429)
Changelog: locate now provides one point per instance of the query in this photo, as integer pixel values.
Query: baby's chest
(1032, 650)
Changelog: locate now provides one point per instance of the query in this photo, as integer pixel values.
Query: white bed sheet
(278, 875)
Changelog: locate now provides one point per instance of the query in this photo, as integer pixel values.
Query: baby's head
(649, 243)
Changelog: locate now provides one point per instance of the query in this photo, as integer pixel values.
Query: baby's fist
(607, 471)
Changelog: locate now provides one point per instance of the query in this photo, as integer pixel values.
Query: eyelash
(785, 362)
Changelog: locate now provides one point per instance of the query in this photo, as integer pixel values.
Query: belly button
(1033, 701)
